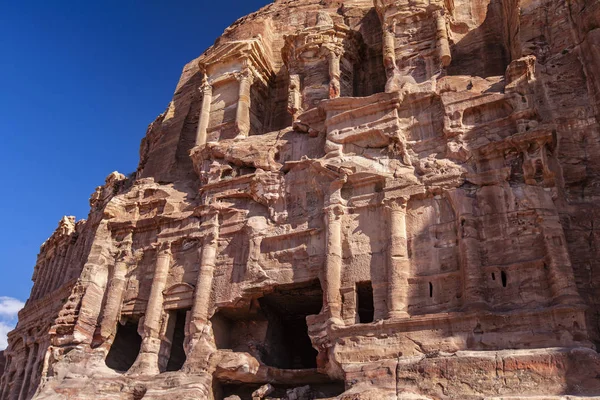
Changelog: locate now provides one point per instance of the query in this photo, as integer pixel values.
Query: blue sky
(79, 83)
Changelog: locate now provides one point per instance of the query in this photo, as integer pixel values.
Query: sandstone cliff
(344, 199)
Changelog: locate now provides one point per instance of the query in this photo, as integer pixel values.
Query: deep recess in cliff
(344, 199)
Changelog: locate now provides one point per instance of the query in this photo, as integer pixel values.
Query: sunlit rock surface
(349, 200)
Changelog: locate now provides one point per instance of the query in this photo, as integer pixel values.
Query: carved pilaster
(335, 55)
(443, 45)
(24, 390)
(294, 95)
(242, 118)
(398, 261)
(559, 268)
(389, 48)
(470, 261)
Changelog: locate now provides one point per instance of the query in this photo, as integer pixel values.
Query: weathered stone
(353, 200)
(261, 392)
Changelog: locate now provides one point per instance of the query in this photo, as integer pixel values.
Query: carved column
(195, 348)
(398, 261)
(38, 359)
(202, 132)
(208, 256)
(114, 299)
(14, 387)
(29, 345)
(147, 361)
(294, 95)
(333, 263)
(389, 48)
(560, 271)
(53, 284)
(470, 261)
(48, 276)
(64, 275)
(443, 46)
(334, 73)
(37, 286)
(242, 117)
(4, 379)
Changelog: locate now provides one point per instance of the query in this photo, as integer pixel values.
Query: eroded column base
(398, 315)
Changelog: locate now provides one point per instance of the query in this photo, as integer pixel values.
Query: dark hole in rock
(430, 289)
(273, 328)
(125, 347)
(364, 302)
(177, 336)
(504, 278)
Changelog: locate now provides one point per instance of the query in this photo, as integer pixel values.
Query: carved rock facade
(352, 200)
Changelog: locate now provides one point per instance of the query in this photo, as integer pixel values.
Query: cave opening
(176, 333)
(287, 343)
(364, 302)
(125, 347)
(273, 328)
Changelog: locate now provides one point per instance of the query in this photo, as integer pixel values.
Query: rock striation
(344, 199)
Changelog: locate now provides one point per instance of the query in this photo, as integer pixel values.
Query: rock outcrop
(344, 199)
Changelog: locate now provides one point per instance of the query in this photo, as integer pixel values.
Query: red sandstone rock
(2, 362)
(351, 200)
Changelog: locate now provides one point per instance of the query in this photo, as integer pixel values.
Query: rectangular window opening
(364, 302)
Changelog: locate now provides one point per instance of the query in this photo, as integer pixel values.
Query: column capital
(335, 211)
(335, 52)
(210, 212)
(123, 254)
(163, 248)
(244, 74)
(205, 87)
(439, 13)
(397, 203)
(390, 27)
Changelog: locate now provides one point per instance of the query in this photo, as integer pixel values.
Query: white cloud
(4, 329)
(9, 307)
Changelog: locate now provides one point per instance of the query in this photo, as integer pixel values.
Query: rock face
(351, 200)
(2, 362)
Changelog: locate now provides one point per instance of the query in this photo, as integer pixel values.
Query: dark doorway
(125, 347)
(177, 359)
(287, 343)
(364, 302)
(504, 278)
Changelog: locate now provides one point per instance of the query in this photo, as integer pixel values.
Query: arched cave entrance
(125, 347)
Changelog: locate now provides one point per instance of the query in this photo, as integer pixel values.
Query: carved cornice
(319, 42)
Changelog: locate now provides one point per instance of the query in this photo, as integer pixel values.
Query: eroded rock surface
(349, 200)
